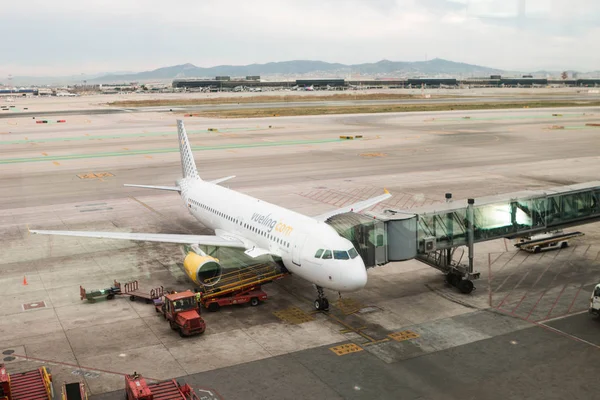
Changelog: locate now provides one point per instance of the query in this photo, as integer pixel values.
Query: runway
(71, 175)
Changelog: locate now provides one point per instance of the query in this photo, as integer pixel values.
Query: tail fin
(188, 165)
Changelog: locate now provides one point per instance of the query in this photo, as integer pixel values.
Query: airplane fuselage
(293, 237)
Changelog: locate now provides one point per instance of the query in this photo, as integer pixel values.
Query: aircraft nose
(358, 278)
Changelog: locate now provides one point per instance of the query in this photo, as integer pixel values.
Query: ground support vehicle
(183, 313)
(133, 290)
(74, 391)
(241, 286)
(595, 301)
(30, 385)
(136, 388)
(92, 295)
(546, 241)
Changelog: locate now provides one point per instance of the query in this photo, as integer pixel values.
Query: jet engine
(202, 269)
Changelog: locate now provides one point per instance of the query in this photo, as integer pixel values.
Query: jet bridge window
(340, 255)
(327, 255)
(319, 253)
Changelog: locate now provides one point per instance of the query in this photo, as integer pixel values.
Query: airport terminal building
(226, 83)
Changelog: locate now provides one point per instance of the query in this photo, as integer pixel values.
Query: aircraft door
(297, 249)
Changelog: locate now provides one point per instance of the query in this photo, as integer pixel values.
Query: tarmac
(524, 333)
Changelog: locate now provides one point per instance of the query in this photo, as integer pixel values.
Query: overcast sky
(71, 37)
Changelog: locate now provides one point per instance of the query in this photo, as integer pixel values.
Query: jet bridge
(432, 234)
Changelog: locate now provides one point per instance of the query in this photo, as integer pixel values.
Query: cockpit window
(353, 253)
(327, 255)
(319, 253)
(340, 255)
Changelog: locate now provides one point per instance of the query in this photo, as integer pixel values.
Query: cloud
(74, 37)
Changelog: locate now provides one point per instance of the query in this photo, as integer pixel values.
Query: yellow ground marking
(125, 148)
(293, 315)
(376, 342)
(97, 175)
(403, 335)
(44, 154)
(348, 305)
(148, 156)
(55, 163)
(374, 138)
(373, 154)
(344, 349)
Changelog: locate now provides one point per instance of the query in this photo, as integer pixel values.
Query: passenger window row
(238, 222)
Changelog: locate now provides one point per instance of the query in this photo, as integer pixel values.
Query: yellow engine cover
(193, 262)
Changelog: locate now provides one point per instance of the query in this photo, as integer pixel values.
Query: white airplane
(306, 246)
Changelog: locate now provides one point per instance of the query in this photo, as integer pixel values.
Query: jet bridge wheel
(465, 286)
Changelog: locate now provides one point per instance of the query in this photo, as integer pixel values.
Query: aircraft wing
(172, 188)
(355, 207)
(216, 181)
(206, 240)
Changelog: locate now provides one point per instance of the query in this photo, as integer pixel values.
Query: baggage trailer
(133, 290)
(30, 385)
(240, 287)
(136, 388)
(92, 295)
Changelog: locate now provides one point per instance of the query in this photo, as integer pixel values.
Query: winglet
(385, 191)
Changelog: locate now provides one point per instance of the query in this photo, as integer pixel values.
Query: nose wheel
(321, 303)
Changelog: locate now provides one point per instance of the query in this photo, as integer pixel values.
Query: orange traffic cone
(24, 280)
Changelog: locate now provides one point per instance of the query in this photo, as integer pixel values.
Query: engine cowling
(202, 269)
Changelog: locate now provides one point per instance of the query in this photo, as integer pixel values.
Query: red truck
(182, 312)
(136, 388)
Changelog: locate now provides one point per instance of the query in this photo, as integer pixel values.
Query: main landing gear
(321, 303)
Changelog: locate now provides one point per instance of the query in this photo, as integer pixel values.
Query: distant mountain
(296, 69)
(436, 66)
(59, 80)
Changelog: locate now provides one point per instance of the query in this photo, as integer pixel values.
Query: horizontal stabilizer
(172, 188)
(203, 240)
(222, 179)
(355, 207)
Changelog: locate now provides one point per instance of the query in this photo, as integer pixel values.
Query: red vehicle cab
(182, 312)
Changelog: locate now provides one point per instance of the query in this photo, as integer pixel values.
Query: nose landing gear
(321, 303)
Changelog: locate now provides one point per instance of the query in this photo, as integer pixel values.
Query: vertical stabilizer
(188, 165)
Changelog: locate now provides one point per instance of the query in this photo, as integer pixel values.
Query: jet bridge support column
(457, 274)
(470, 232)
(450, 230)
